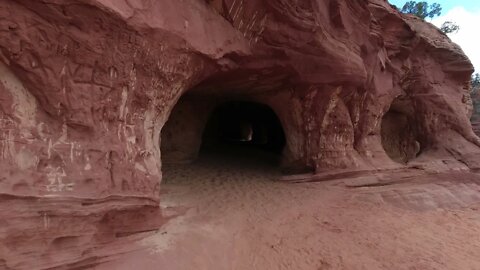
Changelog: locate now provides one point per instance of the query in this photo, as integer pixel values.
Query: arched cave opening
(203, 129)
(243, 131)
(399, 133)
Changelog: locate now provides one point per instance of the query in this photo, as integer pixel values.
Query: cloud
(468, 37)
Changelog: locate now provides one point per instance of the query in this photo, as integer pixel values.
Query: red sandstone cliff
(87, 85)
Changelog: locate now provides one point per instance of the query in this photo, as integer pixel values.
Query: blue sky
(470, 5)
(466, 14)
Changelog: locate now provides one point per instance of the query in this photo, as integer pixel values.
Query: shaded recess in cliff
(212, 126)
(399, 132)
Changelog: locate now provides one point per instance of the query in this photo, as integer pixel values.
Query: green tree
(449, 27)
(422, 9)
(475, 80)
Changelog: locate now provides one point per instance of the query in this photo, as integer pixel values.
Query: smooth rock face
(86, 87)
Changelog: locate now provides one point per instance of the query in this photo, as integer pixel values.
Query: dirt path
(235, 216)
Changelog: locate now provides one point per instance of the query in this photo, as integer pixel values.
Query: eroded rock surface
(87, 86)
(475, 94)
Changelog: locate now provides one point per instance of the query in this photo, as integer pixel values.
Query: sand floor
(230, 213)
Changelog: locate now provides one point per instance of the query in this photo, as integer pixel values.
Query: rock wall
(182, 134)
(475, 94)
(87, 85)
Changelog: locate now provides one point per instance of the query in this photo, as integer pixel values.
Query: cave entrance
(243, 132)
(398, 133)
(202, 129)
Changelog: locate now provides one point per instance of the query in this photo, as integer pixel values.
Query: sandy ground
(230, 213)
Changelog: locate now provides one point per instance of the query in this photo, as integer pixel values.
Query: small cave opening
(399, 134)
(238, 134)
(243, 132)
